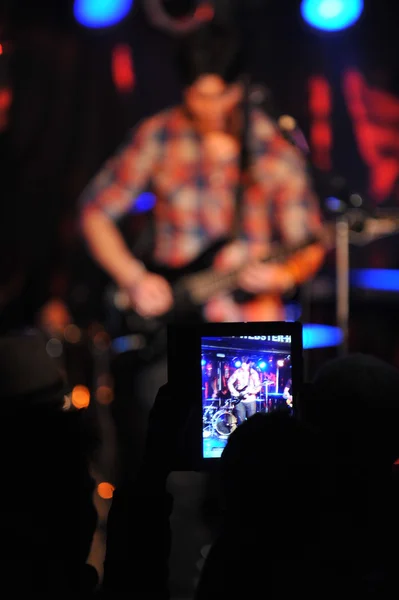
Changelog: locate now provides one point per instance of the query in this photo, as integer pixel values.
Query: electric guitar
(192, 286)
(244, 394)
(197, 283)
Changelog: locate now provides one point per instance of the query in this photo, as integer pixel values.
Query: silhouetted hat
(27, 370)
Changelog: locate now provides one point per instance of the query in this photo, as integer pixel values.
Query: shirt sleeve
(126, 174)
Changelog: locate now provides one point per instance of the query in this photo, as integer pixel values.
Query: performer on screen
(224, 392)
(244, 385)
(188, 156)
(287, 393)
(209, 382)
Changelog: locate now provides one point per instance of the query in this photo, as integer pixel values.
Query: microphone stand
(342, 262)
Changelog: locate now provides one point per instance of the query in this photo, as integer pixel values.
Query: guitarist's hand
(151, 296)
(259, 278)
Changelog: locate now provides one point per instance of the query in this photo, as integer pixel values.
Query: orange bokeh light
(80, 396)
(204, 12)
(72, 334)
(105, 490)
(104, 394)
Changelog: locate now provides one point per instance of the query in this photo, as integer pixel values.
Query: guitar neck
(206, 284)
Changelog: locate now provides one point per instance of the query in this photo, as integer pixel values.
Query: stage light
(203, 362)
(262, 365)
(105, 490)
(97, 14)
(122, 68)
(331, 15)
(104, 395)
(72, 334)
(54, 348)
(237, 363)
(144, 203)
(335, 205)
(280, 363)
(80, 396)
(321, 336)
(384, 280)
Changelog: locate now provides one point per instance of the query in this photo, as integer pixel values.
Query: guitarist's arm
(230, 385)
(256, 383)
(108, 197)
(296, 216)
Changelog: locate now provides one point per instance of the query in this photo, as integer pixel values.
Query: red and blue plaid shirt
(196, 195)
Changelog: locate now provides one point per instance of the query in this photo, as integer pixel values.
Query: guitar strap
(243, 162)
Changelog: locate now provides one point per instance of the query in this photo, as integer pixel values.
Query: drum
(209, 407)
(224, 422)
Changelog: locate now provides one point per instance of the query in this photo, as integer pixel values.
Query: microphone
(292, 132)
(261, 96)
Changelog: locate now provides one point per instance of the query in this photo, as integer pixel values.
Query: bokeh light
(316, 335)
(80, 396)
(105, 490)
(104, 395)
(331, 15)
(97, 14)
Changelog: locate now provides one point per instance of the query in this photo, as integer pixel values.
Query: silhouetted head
(271, 457)
(355, 401)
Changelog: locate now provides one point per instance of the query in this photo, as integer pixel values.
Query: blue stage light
(262, 365)
(320, 336)
(237, 364)
(203, 362)
(331, 15)
(384, 280)
(101, 13)
(144, 203)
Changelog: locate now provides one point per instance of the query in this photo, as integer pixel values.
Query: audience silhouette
(47, 513)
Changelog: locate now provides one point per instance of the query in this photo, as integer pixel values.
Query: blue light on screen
(331, 15)
(101, 13)
(320, 336)
(384, 280)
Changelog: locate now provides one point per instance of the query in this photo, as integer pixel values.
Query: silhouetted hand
(168, 422)
(138, 531)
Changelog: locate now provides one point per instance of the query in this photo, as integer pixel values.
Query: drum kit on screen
(218, 416)
(218, 420)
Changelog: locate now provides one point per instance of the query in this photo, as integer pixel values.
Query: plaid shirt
(240, 379)
(196, 195)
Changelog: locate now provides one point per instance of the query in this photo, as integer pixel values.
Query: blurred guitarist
(244, 384)
(188, 156)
